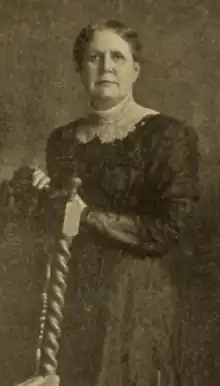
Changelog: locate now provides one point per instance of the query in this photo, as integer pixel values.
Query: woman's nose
(107, 63)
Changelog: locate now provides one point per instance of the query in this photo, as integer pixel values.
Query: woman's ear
(136, 70)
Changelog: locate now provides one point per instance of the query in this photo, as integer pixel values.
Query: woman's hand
(39, 179)
(50, 380)
(75, 209)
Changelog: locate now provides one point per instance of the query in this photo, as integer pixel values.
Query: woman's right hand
(39, 179)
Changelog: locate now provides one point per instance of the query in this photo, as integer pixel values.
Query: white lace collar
(114, 123)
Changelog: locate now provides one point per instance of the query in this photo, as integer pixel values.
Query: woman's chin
(104, 96)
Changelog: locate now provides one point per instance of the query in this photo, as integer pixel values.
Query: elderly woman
(132, 213)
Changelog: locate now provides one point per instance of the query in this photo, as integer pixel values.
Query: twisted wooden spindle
(56, 296)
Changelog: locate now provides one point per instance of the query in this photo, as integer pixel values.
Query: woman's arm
(177, 158)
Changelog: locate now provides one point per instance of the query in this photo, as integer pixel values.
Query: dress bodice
(112, 173)
(136, 174)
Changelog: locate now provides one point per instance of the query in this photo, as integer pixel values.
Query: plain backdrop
(40, 89)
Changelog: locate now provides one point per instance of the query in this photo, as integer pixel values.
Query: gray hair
(86, 34)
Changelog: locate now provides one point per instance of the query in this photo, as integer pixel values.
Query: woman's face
(109, 70)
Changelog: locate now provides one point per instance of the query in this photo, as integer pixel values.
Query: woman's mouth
(106, 82)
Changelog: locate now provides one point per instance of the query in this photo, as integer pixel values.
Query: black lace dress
(120, 313)
(121, 319)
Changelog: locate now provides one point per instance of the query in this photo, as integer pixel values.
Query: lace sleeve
(176, 189)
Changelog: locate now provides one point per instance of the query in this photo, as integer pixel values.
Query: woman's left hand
(50, 380)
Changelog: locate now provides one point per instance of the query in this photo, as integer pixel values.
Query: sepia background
(40, 90)
(181, 76)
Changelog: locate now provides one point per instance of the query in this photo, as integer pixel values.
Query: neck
(114, 122)
(108, 105)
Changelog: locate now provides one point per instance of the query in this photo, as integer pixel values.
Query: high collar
(112, 113)
(114, 123)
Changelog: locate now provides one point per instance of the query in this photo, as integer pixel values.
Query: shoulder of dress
(65, 132)
(162, 127)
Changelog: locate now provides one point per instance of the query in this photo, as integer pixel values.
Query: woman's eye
(117, 56)
(93, 58)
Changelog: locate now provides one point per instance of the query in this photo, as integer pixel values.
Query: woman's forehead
(106, 40)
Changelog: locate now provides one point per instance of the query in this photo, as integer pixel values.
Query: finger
(40, 181)
(43, 183)
(38, 178)
(37, 175)
(36, 171)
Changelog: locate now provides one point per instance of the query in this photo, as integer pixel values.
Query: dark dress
(121, 299)
(123, 312)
